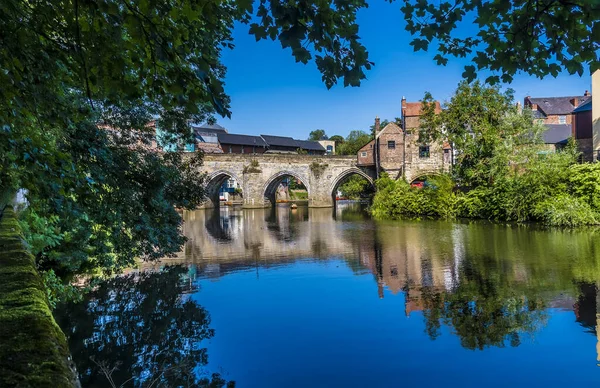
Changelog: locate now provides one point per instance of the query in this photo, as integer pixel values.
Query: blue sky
(272, 94)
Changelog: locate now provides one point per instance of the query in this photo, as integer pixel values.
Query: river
(331, 298)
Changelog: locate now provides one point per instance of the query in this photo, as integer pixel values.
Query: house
(329, 146)
(207, 139)
(288, 145)
(556, 136)
(398, 151)
(281, 144)
(583, 130)
(555, 110)
(311, 147)
(241, 144)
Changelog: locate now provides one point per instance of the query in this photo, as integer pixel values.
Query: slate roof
(557, 133)
(231, 138)
(556, 105)
(587, 105)
(310, 145)
(280, 141)
(214, 128)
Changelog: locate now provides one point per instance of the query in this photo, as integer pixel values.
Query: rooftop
(281, 141)
(557, 105)
(557, 133)
(586, 106)
(230, 138)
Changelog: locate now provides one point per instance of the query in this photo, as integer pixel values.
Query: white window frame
(363, 154)
(562, 119)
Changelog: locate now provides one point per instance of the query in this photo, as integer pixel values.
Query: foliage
(318, 168)
(330, 29)
(353, 142)
(539, 38)
(356, 187)
(252, 168)
(140, 329)
(396, 199)
(503, 173)
(317, 134)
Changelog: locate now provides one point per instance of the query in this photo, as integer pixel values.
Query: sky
(272, 94)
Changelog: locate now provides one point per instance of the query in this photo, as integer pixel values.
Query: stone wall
(33, 349)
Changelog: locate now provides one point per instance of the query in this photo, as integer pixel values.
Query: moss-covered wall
(33, 349)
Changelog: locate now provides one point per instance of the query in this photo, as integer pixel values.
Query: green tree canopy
(317, 134)
(355, 140)
(537, 37)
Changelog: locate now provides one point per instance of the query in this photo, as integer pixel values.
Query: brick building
(555, 110)
(398, 151)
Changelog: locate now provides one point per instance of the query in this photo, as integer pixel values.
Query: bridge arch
(344, 175)
(270, 187)
(410, 178)
(214, 181)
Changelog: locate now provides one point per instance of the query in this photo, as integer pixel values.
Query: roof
(557, 105)
(414, 108)
(215, 128)
(310, 145)
(282, 141)
(231, 138)
(586, 106)
(557, 133)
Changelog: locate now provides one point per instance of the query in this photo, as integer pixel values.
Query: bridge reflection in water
(501, 280)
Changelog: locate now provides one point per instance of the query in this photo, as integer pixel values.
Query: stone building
(398, 151)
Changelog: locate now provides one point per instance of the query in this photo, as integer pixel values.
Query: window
(424, 151)
(329, 149)
(391, 144)
(363, 154)
(229, 149)
(242, 149)
(562, 119)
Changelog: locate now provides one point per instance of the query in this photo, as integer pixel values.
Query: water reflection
(141, 330)
(491, 284)
(314, 287)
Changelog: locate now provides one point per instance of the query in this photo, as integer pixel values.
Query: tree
(140, 330)
(354, 141)
(537, 37)
(82, 81)
(484, 128)
(338, 139)
(317, 134)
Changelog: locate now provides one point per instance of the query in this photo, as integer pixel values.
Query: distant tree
(317, 134)
(338, 139)
(354, 141)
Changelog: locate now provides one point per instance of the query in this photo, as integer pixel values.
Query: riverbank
(33, 349)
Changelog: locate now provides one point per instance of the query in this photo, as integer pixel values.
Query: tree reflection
(484, 309)
(140, 330)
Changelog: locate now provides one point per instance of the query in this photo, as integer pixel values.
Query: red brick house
(555, 110)
(398, 151)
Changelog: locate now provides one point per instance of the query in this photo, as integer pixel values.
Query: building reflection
(498, 279)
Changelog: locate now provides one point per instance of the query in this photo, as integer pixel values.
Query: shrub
(565, 210)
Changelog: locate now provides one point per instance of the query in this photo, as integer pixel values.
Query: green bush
(565, 210)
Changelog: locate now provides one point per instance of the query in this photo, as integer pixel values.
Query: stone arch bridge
(259, 176)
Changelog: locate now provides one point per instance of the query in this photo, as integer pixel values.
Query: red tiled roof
(414, 109)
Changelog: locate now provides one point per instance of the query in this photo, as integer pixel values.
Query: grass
(33, 349)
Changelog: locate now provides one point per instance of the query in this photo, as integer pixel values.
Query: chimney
(403, 105)
(377, 125)
(575, 101)
(587, 93)
(534, 107)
